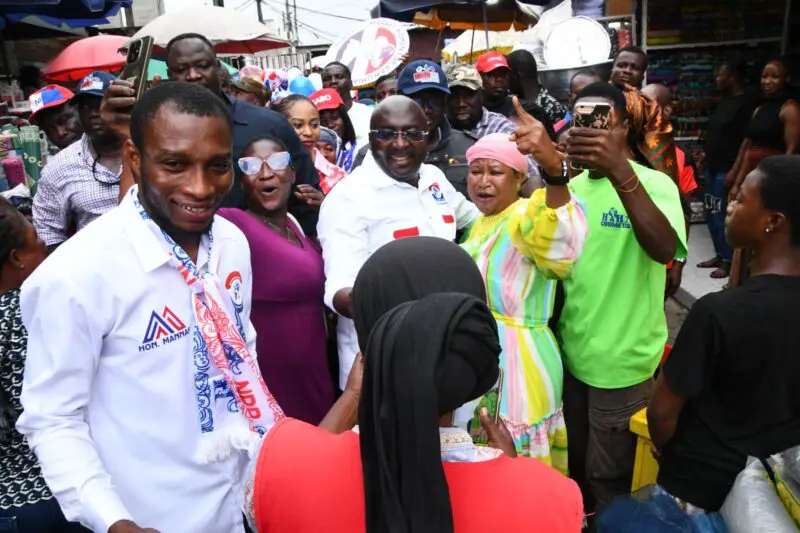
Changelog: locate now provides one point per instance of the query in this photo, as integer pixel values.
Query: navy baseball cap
(420, 76)
(95, 84)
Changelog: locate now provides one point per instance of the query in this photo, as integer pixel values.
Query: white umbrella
(470, 44)
(230, 31)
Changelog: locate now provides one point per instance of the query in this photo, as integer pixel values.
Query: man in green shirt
(612, 327)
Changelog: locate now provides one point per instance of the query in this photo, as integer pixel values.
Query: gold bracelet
(631, 189)
(626, 182)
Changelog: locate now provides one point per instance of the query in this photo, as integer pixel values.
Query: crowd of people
(229, 313)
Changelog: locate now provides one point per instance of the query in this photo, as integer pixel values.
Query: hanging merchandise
(14, 170)
(31, 145)
(684, 22)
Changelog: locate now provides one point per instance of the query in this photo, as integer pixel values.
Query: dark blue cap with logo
(94, 84)
(420, 76)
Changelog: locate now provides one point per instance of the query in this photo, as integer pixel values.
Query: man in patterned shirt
(525, 84)
(465, 112)
(81, 182)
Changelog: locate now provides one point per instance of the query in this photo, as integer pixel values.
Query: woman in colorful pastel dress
(522, 247)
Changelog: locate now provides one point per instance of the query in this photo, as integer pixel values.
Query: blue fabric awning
(58, 13)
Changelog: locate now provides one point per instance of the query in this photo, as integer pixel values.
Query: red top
(310, 480)
(686, 181)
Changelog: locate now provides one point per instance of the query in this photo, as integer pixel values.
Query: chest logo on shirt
(614, 219)
(234, 285)
(436, 193)
(162, 329)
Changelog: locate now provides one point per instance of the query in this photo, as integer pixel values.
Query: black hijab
(431, 351)
(408, 269)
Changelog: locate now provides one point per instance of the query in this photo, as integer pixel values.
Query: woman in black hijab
(406, 270)
(424, 358)
(430, 345)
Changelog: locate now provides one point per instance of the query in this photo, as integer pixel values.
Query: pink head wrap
(497, 146)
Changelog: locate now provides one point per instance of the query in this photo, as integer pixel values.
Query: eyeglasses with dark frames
(412, 135)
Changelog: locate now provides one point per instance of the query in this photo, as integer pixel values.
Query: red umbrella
(85, 56)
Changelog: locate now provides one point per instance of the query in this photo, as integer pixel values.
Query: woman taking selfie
(288, 284)
(333, 115)
(304, 117)
(430, 345)
(522, 246)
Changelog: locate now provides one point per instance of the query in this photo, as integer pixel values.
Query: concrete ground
(676, 314)
(696, 281)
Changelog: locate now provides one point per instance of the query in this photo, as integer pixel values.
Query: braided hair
(12, 231)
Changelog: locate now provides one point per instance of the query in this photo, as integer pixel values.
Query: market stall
(686, 40)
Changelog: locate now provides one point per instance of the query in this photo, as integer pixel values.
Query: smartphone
(491, 400)
(593, 115)
(135, 69)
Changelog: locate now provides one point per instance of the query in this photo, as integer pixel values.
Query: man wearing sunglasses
(425, 83)
(392, 195)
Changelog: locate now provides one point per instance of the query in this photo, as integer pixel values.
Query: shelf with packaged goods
(679, 46)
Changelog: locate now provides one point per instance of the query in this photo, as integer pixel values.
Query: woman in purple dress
(288, 285)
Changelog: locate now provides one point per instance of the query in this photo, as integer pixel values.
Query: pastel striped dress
(522, 252)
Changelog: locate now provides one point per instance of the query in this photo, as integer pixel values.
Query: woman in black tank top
(773, 130)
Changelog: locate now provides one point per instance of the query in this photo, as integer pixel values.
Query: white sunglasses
(277, 161)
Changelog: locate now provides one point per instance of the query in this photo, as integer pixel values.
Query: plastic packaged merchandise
(753, 505)
(791, 462)
(785, 466)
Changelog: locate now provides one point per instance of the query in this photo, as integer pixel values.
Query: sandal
(715, 262)
(720, 273)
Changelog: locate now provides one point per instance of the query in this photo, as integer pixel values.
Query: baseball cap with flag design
(460, 75)
(326, 99)
(95, 84)
(491, 61)
(48, 97)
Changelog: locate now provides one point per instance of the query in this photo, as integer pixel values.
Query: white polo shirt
(360, 115)
(369, 209)
(109, 398)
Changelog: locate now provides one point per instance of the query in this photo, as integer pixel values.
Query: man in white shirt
(137, 326)
(392, 195)
(337, 76)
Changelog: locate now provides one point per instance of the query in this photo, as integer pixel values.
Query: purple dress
(287, 313)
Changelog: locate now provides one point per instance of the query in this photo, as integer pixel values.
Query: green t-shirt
(613, 326)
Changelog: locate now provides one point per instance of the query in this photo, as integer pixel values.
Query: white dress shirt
(109, 389)
(369, 209)
(360, 115)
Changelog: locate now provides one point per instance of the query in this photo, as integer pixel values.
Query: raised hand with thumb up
(532, 139)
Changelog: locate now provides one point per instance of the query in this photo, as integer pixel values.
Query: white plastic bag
(791, 463)
(753, 505)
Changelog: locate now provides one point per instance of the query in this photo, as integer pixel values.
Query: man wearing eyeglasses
(392, 195)
(425, 83)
